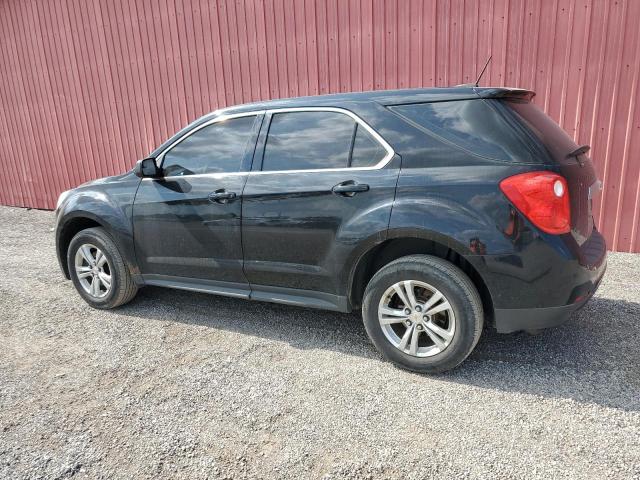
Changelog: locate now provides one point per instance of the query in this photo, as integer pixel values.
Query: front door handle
(349, 188)
(221, 196)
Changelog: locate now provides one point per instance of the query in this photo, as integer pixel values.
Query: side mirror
(147, 167)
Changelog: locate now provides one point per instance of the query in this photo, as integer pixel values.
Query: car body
(288, 221)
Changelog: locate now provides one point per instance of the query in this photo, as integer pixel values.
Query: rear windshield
(480, 127)
(557, 142)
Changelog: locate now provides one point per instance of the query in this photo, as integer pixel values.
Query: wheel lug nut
(418, 308)
(419, 327)
(408, 322)
(407, 311)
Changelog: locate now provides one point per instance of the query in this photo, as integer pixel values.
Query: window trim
(221, 118)
(382, 163)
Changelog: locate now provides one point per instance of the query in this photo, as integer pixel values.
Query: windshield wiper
(577, 152)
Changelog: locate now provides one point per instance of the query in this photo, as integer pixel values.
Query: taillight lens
(543, 197)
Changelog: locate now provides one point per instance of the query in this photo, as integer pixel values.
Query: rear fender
(467, 231)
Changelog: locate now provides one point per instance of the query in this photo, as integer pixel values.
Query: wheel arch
(68, 229)
(402, 243)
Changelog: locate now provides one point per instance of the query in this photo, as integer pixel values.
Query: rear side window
(367, 151)
(308, 140)
(216, 148)
(481, 127)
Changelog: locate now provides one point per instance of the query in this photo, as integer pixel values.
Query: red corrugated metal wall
(89, 86)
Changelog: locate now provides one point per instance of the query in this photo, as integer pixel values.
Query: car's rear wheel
(423, 313)
(98, 271)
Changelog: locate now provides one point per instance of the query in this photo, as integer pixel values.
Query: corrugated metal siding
(89, 86)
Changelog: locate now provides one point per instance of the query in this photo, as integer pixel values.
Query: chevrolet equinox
(435, 211)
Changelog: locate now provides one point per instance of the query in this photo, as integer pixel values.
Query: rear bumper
(543, 284)
(508, 320)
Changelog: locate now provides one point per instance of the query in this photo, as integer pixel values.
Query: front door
(322, 182)
(187, 223)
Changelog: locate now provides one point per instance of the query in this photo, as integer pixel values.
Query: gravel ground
(185, 385)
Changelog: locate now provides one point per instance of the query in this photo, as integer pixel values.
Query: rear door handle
(349, 188)
(221, 196)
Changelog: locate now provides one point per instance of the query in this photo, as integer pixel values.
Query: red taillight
(543, 197)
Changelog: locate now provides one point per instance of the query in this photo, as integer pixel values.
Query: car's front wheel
(423, 313)
(98, 271)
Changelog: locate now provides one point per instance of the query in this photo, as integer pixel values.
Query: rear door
(321, 182)
(187, 223)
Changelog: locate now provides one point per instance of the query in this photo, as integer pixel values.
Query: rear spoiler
(505, 92)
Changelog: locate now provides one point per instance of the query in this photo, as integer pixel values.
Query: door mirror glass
(147, 167)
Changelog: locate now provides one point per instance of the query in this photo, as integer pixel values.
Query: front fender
(107, 205)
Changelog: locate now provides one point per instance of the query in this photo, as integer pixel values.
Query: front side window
(308, 140)
(216, 148)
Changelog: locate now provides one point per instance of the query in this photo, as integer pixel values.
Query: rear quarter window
(480, 127)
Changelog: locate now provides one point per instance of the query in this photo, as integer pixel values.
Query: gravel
(186, 385)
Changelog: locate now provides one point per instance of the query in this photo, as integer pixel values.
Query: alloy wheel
(93, 270)
(416, 318)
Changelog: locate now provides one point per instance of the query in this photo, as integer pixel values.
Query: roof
(384, 97)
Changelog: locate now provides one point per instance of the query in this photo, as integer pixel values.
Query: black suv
(435, 211)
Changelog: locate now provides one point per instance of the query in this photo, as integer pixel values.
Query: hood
(112, 179)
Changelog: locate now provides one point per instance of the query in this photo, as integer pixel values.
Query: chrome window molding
(382, 163)
(197, 175)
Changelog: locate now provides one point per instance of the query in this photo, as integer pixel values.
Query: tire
(121, 287)
(457, 317)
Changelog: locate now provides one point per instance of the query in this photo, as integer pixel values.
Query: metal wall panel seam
(627, 144)
(612, 114)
